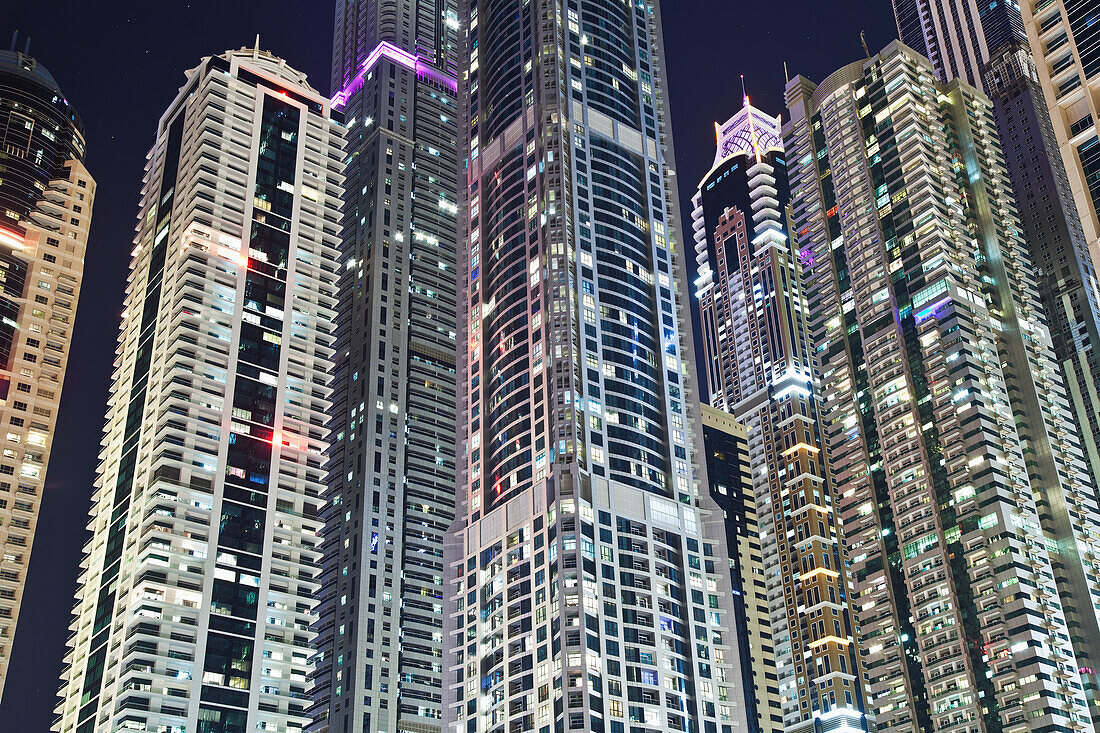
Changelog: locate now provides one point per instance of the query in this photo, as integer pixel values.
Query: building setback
(987, 48)
(391, 482)
(730, 481)
(587, 574)
(759, 367)
(46, 199)
(196, 594)
(968, 512)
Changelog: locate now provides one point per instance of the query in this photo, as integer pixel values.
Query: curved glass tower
(46, 198)
(587, 571)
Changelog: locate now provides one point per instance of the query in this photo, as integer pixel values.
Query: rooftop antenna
(27, 47)
(744, 94)
(786, 74)
(14, 38)
(256, 50)
(863, 42)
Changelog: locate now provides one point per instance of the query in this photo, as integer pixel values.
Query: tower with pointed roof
(758, 366)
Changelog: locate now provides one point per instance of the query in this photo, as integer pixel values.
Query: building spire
(752, 123)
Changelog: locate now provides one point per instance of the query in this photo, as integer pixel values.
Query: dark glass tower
(730, 481)
(1065, 41)
(40, 132)
(392, 462)
(957, 36)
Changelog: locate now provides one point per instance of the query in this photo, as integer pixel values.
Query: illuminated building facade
(968, 513)
(46, 198)
(587, 575)
(197, 587)
(959, 37)
(986, 46)
(729, 475)
(392, 462)
(1065, 43)
(1065, 40)
(759, 367)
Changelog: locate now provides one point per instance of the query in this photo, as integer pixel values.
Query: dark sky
(121, 62)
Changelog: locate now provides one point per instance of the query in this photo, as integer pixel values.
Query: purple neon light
(931, 310)
(399, 56)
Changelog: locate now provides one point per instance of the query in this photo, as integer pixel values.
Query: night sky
(121, 62)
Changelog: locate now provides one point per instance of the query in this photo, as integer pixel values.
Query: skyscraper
(988, 49)
(729, 476)
(392, 463)
(959, 37)
(1065, 40)
(197, 587)
(46, 198)
(588, 577)
(968, 513)
(1066, 57)
(759, 367)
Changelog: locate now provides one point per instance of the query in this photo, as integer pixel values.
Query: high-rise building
(1065, 44)
(392, 462)
(729, 475)
(959, 37)
(969, 516)
(46, 198)
(1065, 40)
(588, 581)
(197, 587)
(759, 366)
(987, 48)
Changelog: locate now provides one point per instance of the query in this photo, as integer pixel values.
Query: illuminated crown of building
(749, 131)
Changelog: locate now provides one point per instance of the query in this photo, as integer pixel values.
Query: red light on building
(12, 239)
